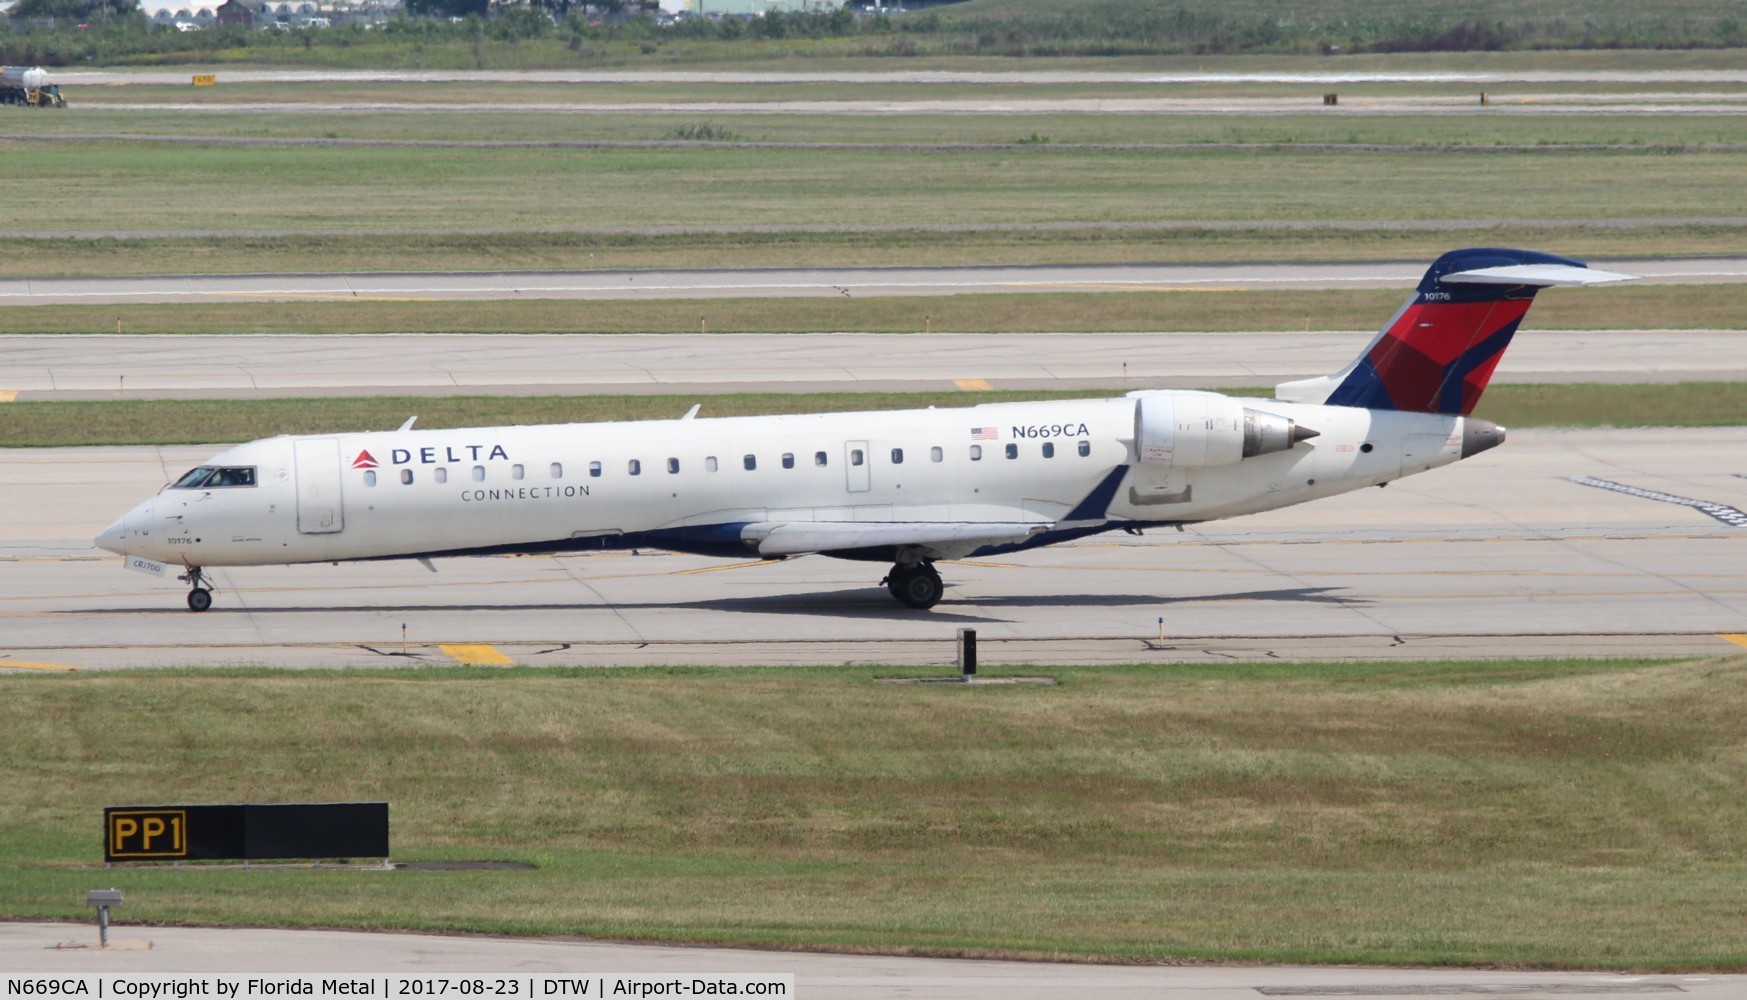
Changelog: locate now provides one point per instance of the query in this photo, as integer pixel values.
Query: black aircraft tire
(199, 599)
(919, 588)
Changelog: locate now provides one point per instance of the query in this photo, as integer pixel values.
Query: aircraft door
(858, 466)
(318, 486)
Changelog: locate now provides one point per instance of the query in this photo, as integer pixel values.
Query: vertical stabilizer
(1439, 351)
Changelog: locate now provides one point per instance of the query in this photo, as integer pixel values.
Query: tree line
(78, 32)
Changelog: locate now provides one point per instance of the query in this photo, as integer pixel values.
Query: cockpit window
(209, 477)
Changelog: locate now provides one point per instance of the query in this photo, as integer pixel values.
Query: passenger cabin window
(516, 471)
(209, 477)
(673, 466)
(855, 457)
(1012, 451)
(897, 456)
(594, 470)
(370, 477)
(557, 470)
(634, 467)
(1049, 449)
(1085, 448)
(479, 473)
(976, 453)
(788, 459)
(819, 458)
(935, 454)
(710, 463)
(441, 475)
(406, 477)
(751, 462)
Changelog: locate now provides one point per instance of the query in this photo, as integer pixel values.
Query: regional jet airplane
(908, 487)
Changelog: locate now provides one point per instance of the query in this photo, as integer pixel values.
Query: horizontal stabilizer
(799, 537)
(1538, 275)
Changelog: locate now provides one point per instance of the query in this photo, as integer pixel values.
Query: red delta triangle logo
(365, 460)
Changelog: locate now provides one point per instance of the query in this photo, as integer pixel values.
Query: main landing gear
(200, 597)
(917, 585)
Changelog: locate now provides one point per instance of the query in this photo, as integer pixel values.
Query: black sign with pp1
(246, 832)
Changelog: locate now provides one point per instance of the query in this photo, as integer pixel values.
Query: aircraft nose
(114, 538)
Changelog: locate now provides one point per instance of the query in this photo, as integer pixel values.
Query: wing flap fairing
(790, 538)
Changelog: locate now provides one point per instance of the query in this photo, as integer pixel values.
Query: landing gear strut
(200, 596)
(916, 585)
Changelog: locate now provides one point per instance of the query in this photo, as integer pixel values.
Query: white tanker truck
(29, 86)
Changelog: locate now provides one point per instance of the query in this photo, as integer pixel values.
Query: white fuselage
(1069, 468)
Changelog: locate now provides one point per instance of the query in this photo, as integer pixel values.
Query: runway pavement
(1502, 555)
(796, 282)
(26, 948)
(248, 366)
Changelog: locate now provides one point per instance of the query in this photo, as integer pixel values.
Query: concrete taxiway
(780, 282)
(27, 948)
(1502, 555)
(250, 366)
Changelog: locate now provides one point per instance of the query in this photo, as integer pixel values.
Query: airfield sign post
(103, 899)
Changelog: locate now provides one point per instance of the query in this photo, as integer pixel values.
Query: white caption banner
(242, 986)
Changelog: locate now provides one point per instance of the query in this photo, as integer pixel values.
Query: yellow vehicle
(29, 86)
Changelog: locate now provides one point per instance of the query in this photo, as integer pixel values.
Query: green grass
(1624, 307)
(523, 250)
(1478, 129)
(1549, 814)
(128, 422)
(101, 185)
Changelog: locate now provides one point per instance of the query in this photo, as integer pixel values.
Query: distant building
(189, 15)
(742, 8)
(234, 13)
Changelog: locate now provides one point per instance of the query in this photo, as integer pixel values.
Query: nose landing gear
(200, 596)
(916, 585)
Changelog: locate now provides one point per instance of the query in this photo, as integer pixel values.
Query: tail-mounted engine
(1196, 430)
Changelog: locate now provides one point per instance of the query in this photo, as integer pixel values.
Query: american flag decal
(984, 433)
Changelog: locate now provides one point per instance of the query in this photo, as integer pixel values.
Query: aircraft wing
(940, 539)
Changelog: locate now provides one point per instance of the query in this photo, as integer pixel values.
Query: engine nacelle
(1195, 430)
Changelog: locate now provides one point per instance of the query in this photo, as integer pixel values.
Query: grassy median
(214, 421)
(1574, 813)
(1626, 310)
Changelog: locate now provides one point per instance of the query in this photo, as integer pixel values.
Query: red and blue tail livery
(1439, 351)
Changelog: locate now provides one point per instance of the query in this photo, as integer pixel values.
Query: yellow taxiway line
(37, 666)
(476, 655)
(973, 384)
(1737, 639)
